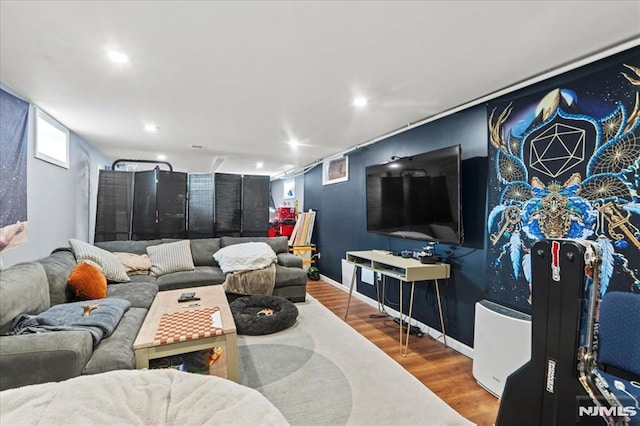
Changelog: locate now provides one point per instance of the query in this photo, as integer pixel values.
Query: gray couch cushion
(23, 290)
(44, 357)
(104, 260)
(202, 275)
(140, 295)
(116, 351)
(58, 266)
(286, 277)
(293, 293)
(288, 259)
(278, 244)
(142, 279)
(173, 257)
(137, 247)
(203, 250)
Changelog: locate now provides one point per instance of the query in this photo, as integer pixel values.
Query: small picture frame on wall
(335, 170)
(289, 189)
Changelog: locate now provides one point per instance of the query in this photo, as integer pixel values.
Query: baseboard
(434, 333)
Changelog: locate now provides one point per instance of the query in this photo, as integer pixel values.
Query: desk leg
(403, 351)
(444, 333)
(401, 315)
(353, 280)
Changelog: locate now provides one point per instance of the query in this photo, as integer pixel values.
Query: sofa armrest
(43, 357)
(290, 260)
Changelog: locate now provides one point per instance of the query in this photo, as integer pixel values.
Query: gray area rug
(322, 372)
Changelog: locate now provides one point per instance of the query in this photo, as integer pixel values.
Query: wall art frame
(335, 170)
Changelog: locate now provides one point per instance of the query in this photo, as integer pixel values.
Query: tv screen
(416, 197)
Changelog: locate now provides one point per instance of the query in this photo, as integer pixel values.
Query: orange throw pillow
(87, 282)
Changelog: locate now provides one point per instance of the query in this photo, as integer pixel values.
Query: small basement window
(52, 140)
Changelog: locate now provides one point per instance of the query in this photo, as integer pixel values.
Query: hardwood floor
(443, 370)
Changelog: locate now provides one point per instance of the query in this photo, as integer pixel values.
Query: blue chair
(619, 354)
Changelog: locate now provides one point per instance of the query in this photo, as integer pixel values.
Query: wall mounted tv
(416, 197)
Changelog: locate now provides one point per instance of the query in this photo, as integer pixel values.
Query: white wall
(277, 192)
(61, 202)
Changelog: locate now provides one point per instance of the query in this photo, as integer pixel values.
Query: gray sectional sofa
(34, 287)
(291, 280)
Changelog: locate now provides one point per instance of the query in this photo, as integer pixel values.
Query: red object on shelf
(286, 213)
(271, 232)
(285, 230)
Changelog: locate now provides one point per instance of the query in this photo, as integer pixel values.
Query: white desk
(405, 270)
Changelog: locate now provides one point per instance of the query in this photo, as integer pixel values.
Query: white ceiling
(242, 78)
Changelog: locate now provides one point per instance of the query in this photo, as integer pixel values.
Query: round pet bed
(256, 315)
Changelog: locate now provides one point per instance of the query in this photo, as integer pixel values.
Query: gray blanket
(68, 316)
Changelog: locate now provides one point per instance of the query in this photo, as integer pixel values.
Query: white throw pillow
(245, 257)
(171, 257)
(104, 260)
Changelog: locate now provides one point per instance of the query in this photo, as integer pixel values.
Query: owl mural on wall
(566, 165)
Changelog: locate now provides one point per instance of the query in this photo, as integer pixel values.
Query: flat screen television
(416, 197)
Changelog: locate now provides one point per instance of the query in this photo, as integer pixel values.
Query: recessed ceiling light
(117, 56)
(259, 165)
(360, 102)
(293, 143)
(162, 157)
(151, 128)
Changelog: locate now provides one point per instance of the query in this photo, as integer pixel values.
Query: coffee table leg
(142, 359)
(232, 356)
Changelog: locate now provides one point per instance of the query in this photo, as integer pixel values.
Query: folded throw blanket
(68, 316)
(245, 257)
(261, 281)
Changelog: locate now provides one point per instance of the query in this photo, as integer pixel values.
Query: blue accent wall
(341, 219)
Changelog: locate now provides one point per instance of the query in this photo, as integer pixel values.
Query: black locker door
(172, 204)
(145, 225)
(200, 206)
(255, 206)
(114, 205)
(227, 204)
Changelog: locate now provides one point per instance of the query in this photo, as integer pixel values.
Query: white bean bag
(138, 397)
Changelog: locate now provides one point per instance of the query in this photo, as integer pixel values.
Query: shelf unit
(405, 270)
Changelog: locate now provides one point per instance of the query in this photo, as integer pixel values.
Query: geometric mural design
(559, 148)
(565, 163)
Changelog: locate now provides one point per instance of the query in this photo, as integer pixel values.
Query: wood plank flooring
(443, 370)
